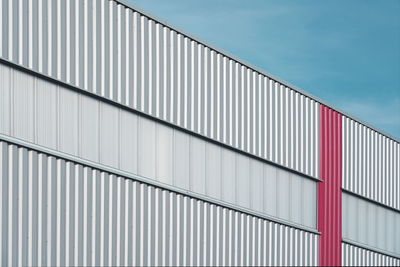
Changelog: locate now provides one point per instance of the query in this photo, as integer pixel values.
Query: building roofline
(251, 66)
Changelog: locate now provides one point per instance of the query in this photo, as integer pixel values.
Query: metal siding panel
(270, 189)
(46, 114)
(243, 187)
(147, 149)
(283, 196)
(296, 207)
(257, 185)
(309, 203)
(165, 154)
(129, 141)
(5, 99)
(23, 106)
(89, 128)
(228, 176)
(109, 135)
(213, 171)
(181, 160)
(197, 163)
(68, 122)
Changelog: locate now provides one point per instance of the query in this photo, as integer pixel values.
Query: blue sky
(344, 52)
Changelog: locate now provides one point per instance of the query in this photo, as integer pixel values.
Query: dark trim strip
(150, 117)
(148, 181)
(370, 200)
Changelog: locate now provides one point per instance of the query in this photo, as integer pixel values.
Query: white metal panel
(243, 185)
(68, 129)
(88, 216)
(198, 163)
(296, 199)
(46, 114)
(5, 99)
(228, 176)
(270, 196)
(109, 129)
(165, 157)
(256, 180)
(213, 171)
(129, 141)
(90, 128)
(310, 202)
(23, 106)
(283, 199)
(181, 160)
(147, 148)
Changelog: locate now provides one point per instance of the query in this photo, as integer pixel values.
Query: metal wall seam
(87, 216)
(358, 256)
(371, 164)
(87, 45)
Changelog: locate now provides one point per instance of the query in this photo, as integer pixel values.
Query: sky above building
(346, 53)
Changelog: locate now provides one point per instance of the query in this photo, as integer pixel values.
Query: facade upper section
(117, 53)
(114, 51)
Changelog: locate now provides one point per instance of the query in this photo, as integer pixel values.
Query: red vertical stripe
(329, 191)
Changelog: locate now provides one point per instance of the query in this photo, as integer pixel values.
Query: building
(124, 141)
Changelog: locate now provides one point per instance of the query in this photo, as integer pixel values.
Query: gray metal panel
(109, 129)
(270, 196)
(213, 171)
(23, 106)
(373, 225)
(165, 156)
(68, 110)
(197, 164)
(181, 160)
(105, 134)
(243, 185)
(257, 185)
(358, 256)
(98, 218)
(87, 45)
(89, 128)
(128, 141)
(371, 164)
(5, 99)
(147, 148)
(46, 113)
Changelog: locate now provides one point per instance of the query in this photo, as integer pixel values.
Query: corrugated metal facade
(194, 133)
(57, 212)
(371, 164)
(93, 44)
(357, 256)
(59, 118)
